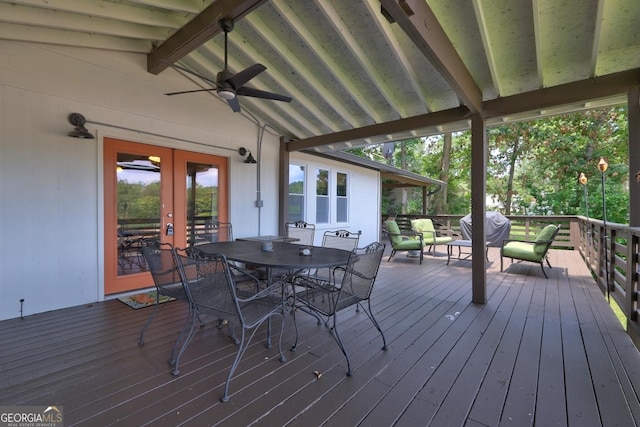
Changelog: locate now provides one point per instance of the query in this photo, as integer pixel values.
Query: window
(342, 213)
(322, 197)
(296, 193)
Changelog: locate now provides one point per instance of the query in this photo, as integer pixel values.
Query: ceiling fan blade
(189, 91)
(234, 104)
(245, 75)
(186, 70)
(257, 93)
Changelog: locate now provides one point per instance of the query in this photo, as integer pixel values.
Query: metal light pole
(583, 181)
(602, 167)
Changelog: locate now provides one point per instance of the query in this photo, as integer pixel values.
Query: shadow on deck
(543, 352)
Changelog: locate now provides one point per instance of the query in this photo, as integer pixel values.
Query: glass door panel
(201, 203)
(155, 193)
(138, 201)
(201, 186)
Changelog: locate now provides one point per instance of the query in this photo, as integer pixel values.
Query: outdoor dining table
(285, 256)
(284, 239)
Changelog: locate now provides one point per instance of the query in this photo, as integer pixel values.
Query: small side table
(462, 244)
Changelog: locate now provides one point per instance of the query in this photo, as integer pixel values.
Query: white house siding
(364, 192)
(51, 201)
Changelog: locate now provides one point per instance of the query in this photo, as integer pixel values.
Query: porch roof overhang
(366, 71)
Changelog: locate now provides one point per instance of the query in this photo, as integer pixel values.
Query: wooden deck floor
(540, 352)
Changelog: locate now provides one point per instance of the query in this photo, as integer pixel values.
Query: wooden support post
(478, 207)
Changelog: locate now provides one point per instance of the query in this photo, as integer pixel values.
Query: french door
(156, 193)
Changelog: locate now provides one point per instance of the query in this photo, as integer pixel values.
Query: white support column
(478, 207)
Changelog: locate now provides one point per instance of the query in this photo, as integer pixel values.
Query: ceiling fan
(229, 86)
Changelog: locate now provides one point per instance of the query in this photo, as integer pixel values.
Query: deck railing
(588, 236)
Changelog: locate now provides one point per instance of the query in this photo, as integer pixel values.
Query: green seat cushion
(439, 240)
(407, 245)
(521, 250)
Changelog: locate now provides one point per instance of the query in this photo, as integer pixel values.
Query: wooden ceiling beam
(584, 90)
(388, 128)
(198, 31)
(418, 21)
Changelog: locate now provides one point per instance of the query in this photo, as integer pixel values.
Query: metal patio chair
(324, 299)
(161, 262)
(300, 230)
(340, 239)
(403, 241)
(532, 251)
(212, 290)
(213, 231)
(430, 235)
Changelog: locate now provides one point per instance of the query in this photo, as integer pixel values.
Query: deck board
(540, 352)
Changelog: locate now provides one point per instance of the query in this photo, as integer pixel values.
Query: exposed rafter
(417, 19)
(198, 31)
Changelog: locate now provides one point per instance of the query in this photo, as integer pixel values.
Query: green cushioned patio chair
(403, 240)
(429, 233)
(533, 251)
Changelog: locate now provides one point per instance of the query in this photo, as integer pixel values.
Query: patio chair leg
(393, 252)
(334, 333)
(543, 272)
(375, 323)
(153, 315)
(295, 325)
(175, 361)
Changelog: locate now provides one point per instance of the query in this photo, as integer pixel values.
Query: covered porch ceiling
(366, 71)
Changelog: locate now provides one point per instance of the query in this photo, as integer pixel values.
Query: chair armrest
(434, 233)
(405, 234)
(276, 289)
(316, 284)
(244, 273)
(531, 242)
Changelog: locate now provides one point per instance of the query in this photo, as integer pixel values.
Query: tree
(533, 167)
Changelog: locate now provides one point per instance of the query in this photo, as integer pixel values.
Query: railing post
(631, 279)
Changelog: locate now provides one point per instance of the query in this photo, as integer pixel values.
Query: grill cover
(497, 227)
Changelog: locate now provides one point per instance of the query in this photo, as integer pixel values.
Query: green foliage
(533, 167)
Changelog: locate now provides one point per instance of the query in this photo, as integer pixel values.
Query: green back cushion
(392, 227)
(422, 224)
(544, 236)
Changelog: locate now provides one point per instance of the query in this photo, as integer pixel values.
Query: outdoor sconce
(78, 120)
(243, 152)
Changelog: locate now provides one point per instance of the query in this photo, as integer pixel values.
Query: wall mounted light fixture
(78, 120)
(243, 152)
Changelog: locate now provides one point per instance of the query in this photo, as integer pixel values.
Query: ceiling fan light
(226, 94)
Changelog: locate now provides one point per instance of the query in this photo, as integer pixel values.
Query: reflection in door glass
(202, 204)
(138, 198)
